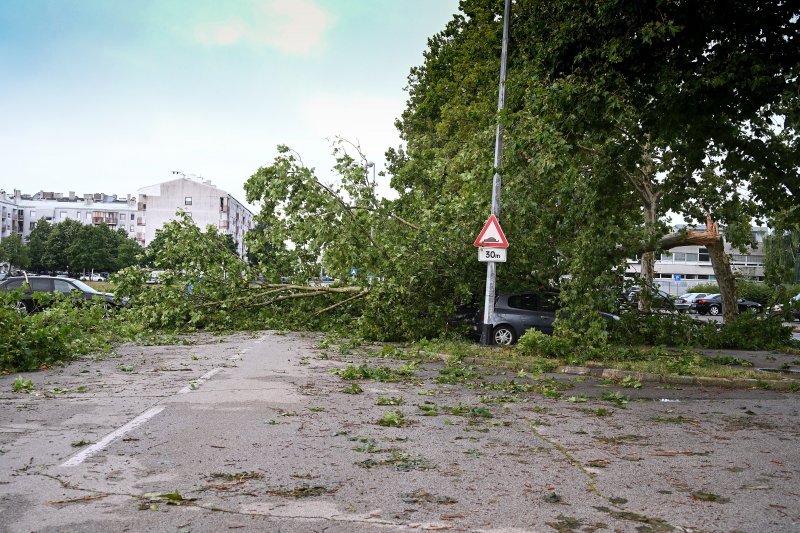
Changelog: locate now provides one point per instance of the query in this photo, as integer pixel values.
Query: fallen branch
(359, 295)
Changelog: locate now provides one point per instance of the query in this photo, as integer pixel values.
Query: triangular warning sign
(492, 236)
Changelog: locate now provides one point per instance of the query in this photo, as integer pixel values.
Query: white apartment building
(204, 202)
(19, 212)
(681, 268)
(156, 205)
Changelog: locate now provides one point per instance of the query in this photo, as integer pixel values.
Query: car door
(521, 312)
(546, 307)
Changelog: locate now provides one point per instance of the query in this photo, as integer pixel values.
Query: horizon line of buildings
(139, 216)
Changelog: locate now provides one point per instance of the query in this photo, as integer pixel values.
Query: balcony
(111, 221)
(223, 224)
(140, 221)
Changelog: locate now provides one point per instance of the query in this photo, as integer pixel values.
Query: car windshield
(84, 287)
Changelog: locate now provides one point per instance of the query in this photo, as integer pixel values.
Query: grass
(649, 360)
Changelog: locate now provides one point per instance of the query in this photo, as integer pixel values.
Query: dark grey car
(517, 313)
(50, 285)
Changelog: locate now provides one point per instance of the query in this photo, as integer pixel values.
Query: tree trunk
(725, 279)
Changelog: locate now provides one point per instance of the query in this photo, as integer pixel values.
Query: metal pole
(487, 337)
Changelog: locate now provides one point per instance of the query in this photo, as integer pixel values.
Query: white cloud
(295, 27)
(364, 120)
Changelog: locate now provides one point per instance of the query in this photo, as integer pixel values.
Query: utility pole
(487, 334)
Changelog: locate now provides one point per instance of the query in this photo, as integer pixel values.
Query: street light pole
(487, 337)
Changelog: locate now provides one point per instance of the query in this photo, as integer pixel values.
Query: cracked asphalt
(254, 432)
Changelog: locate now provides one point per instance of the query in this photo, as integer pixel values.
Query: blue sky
(111, 95)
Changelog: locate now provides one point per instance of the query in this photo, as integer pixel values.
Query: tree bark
(725, 279)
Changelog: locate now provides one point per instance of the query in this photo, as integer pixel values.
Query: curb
(783, 385)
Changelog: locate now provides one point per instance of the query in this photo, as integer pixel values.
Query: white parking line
(80, 457)
(199, 381)
(144, 417)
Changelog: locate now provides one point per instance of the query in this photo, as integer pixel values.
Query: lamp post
(491, 268)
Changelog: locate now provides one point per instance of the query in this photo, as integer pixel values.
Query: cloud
(364, 120)
(295, 27)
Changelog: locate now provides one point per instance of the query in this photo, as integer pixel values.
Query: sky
(112, 96)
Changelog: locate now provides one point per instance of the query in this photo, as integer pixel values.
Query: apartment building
(205, 204)
(138, 217)
(19, 212)
(681, 268)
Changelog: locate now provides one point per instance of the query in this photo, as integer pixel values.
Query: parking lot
(255, 432)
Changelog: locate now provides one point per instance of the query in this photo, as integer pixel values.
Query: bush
(747, 331)
(751, 332)
(755, 291)
(660, 329)
(59, 333)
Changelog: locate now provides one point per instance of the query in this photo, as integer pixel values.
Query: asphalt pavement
(254, 433)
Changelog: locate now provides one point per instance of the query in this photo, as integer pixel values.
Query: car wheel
(504, 335)
(714, 310)
(21, 308)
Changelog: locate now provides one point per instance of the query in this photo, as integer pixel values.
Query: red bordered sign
(492, 236)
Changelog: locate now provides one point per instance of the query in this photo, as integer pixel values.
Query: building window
(131, 229)
(132, 216)
(704, 257)
(691, 257)
(32, 224)
(63, 215)
(187, 200)
(680, 257)
(88, 215)
(77, 215)
(189, 214)
(33, 213)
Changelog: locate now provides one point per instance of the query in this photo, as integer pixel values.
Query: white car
(687, 302)
(93, 277)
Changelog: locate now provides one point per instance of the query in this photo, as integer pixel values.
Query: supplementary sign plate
(492, 255)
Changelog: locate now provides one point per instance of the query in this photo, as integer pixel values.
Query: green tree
(663, 104)
(782, 257)
(127, 251)
(37, 244)
(56, 251)
(14, 251)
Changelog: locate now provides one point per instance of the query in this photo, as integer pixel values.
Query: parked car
(517, 313)
(31, 285)
(794, 305)
(661, 300)
(97, 276)
(688, 302)
(712, 305)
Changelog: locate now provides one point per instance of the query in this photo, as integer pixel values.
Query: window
(32, 224)
(33, 213)
(680, 257)
(189, 214)
(131, 229)
(63, 287)
(691, 257)
(77, 215)
(704, 257)
(133, 216)
(88, 215)
(187, 200)
(63, 215)
(523, 301)
(40, 285)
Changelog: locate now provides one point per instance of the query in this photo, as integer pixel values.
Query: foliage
(14, 251)
(782, 256)
(65, 329)
(200, 286)
(74, 247)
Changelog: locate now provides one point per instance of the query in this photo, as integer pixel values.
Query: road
(254, 433)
